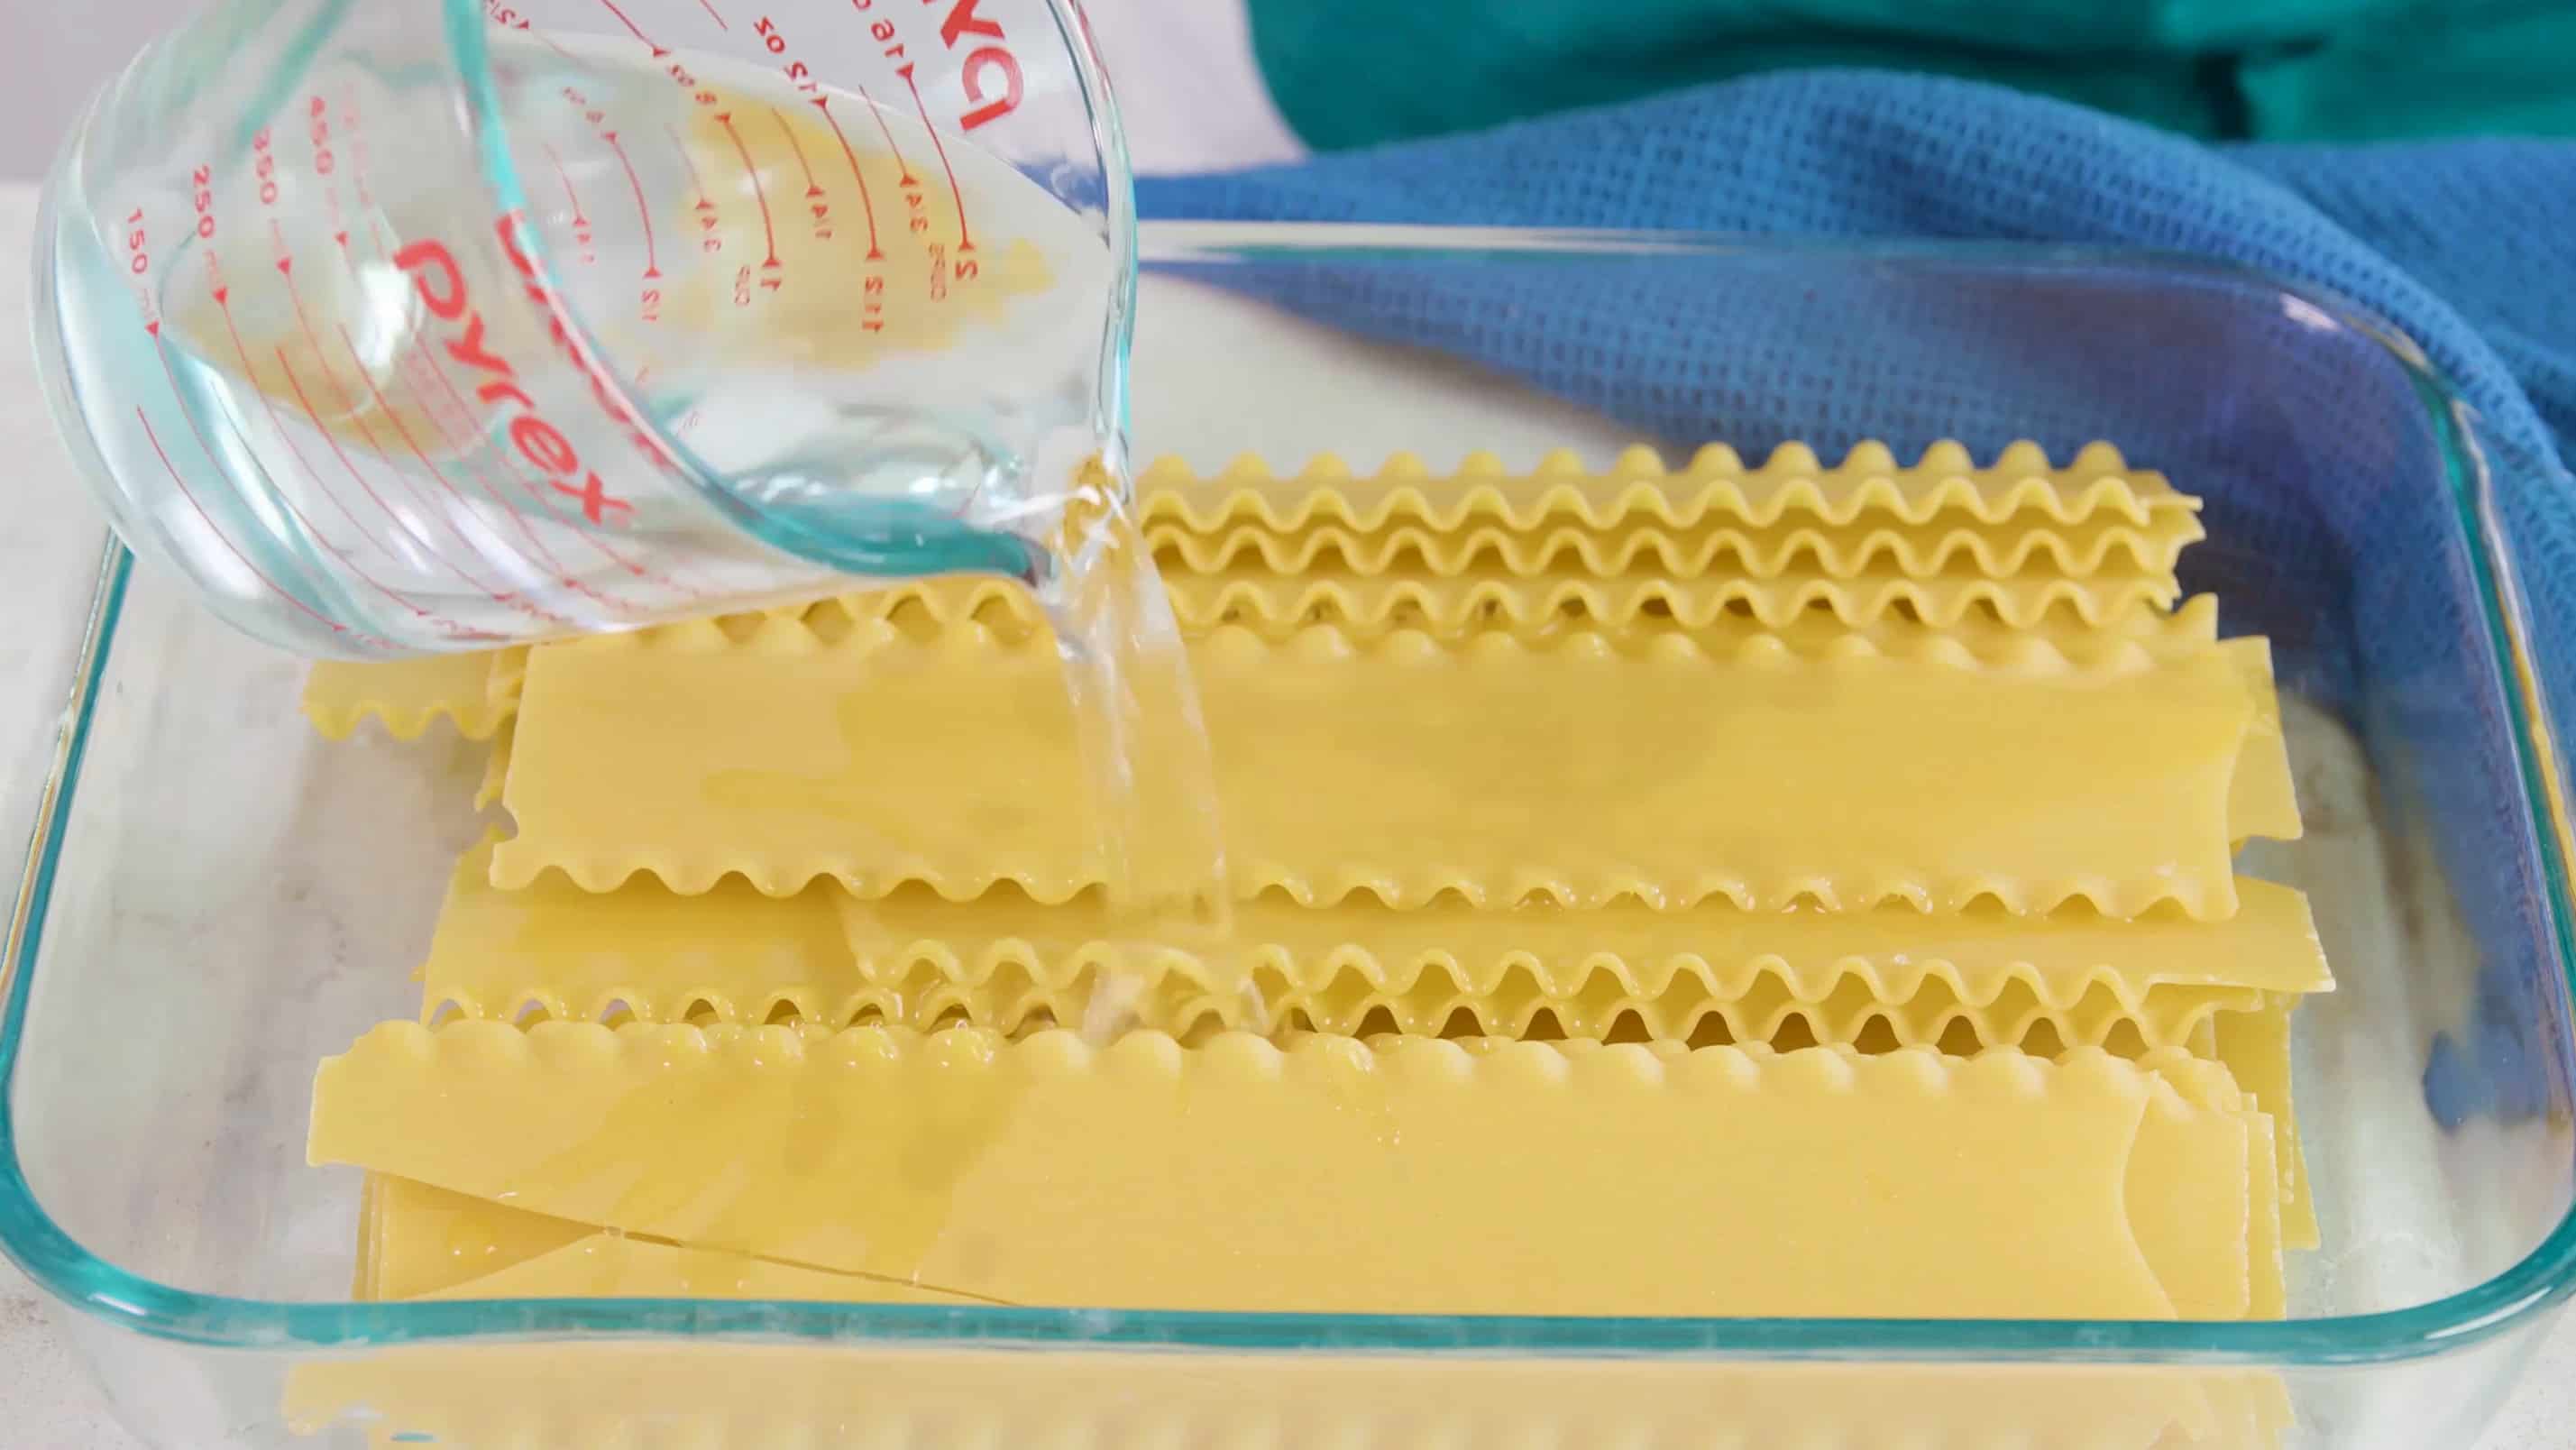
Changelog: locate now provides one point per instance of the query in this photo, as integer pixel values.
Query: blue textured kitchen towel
(2463, 246)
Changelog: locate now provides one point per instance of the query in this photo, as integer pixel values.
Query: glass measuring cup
(403, 326)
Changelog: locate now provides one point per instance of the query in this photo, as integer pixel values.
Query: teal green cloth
(1345, 75)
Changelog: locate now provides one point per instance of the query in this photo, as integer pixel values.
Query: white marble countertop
(47, 1398)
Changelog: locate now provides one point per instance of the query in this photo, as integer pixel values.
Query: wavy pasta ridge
(1405, 888)
(1638, 486)
(2159, 1018)
(1634, 549)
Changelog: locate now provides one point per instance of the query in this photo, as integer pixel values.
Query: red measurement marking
(509, 19)
(332, 441)
(580, 222)
(769, 233)
(403, 431)
(140, 262)
(357, 150)
(708, 240)
(965, 241)
(658, 50)
(872, 314)
(333, 625)
(204, 179)
(797, 147)
(278, 425)
(571, 197)
(867, 203)
(690, 162)
(313, 340)
(903, 168)
(709, 7)
(643, 209)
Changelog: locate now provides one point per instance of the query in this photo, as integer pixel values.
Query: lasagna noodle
(1869, 772)
(1943, 541)
(406, 695)
(1367, 605)
(2177, 1154)
(420, 1242)
(1008, 963)
(1990, 617)
(618, 1266)
(2255, 1046)
(1387, 1176)
(2262, 801)
(1793, 485)
(425, 1242)
(661, 956)
(2268, 1287)
(417, 1240)
(1954, 547)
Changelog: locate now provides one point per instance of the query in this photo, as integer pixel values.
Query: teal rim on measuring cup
(399, 328)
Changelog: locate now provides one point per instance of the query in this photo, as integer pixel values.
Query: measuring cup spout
(397, 327)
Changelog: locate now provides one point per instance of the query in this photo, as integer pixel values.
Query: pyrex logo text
(441, 284)
(981, 63)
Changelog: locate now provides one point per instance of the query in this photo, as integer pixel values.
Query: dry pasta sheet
(1384, 1175)
(1871, 771)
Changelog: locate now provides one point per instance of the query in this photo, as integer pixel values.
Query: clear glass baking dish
(215, 899)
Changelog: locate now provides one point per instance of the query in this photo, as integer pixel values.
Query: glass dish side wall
(604, 1395)
(228, 893)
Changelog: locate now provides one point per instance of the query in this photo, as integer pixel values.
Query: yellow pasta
(1808, 613)
(420, 1242)
(1943, 541)
(1367, 605)
(2255, 1046)
(616, 1266)
(1792, 484)
(1865, 774)
(406, 695)
(1390, 1176)
(2262, 800)
(1006, 962)
(2268, 1288)
(416, 1240)
(1962, 547)
(564, 952)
